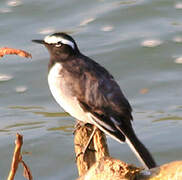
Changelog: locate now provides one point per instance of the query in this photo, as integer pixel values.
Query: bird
(89, 93)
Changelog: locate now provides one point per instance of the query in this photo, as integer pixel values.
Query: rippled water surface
(139, 41)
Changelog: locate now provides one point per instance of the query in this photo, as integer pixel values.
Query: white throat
(63, 96)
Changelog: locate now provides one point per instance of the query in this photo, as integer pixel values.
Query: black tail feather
(139, 149)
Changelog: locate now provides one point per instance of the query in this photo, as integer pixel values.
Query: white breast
(69, 103)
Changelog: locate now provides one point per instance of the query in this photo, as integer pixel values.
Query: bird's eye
(58, 44)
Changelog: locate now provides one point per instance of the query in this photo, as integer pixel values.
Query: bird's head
(59, 45)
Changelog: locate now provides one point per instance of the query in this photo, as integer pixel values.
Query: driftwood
(96, 164)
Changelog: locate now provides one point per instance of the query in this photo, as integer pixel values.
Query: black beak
(39, 41)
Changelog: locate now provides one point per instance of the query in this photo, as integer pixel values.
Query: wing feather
(97, 92)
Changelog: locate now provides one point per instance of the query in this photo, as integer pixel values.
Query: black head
(60, 45)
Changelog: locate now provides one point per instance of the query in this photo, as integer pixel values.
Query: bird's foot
(86, 147)
(80, 124)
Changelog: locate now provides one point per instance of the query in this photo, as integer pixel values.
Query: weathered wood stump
(96, 164)
(97, 148)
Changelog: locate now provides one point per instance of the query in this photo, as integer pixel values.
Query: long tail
(139, 149)
(124, 132)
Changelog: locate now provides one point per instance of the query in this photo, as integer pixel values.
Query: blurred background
(138, 41)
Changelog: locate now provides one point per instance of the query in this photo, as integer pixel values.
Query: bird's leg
(88, 143)
(77, 126)
(90, 139)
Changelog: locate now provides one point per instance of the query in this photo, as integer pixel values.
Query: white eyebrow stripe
(56, 39)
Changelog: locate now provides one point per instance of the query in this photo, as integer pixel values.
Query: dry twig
(17, 158)
(6, 50)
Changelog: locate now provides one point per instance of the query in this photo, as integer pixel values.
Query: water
(111, 32)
